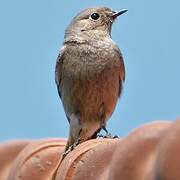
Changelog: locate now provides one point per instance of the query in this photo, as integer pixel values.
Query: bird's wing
(58, 70)
(122, 69)
(122, 66)
(122, 72)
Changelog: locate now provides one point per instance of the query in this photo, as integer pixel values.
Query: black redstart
(89, 73)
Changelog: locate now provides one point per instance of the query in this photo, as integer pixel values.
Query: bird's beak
(116, 14)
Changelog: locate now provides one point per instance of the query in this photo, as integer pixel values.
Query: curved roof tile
(150, 152)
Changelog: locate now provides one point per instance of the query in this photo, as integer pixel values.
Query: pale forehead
(89, 11)
(97, 9)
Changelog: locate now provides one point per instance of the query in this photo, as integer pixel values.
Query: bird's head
(92, 21)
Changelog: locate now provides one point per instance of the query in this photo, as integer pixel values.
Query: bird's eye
(95, 16)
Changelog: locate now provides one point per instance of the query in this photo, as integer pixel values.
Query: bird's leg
(76, 142)
(67, 151)
(75, 131)
(108, 134)
(102, 113)
(71, 148)
(101, 135)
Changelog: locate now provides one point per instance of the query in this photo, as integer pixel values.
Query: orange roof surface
(150, 152)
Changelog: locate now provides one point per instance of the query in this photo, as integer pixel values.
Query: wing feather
(122, 72)
(58, 70)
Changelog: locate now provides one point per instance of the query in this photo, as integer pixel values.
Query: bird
(89, 73)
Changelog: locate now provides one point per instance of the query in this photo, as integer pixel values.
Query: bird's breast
(86, 60)
(90, 77)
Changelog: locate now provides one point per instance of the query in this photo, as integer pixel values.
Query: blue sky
(31, 34)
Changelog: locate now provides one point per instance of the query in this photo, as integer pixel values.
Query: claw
(115, 137)
(71, 148)
(100, 136)
(67, 151)
(108, 135)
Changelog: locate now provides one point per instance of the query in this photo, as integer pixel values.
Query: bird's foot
(107, 135)
(100, 135)
(71, 148)
(116, 137)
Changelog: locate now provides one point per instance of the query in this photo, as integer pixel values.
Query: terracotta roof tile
(8, 152)
(38, 160)
(149, 152)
